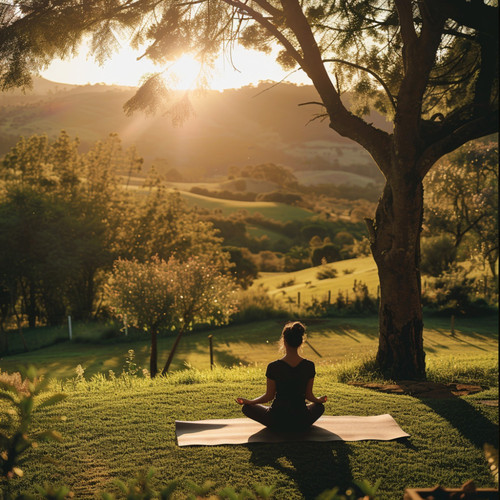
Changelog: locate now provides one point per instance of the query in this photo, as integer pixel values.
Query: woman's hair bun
(293, 333)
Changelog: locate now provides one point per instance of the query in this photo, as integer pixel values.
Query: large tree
(430, 65)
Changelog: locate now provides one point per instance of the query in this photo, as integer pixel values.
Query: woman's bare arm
(268, 396)
(309, 393)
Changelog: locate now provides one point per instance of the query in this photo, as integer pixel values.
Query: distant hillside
(235, 127)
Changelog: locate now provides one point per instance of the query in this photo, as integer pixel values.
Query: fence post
(329, 297)
(70, 328)
(211, 351)
(298, 299)
(452, 325)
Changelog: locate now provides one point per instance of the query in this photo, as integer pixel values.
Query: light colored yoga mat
(327, 428)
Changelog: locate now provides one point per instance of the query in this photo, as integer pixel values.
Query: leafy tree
(172, 295)
(202, 295)
(144, 293)
(438, 254)
(244, 269)
(163, 225)
(311, 230)
(328, 253)
(462, 199)
(431, 66)
(61, 212)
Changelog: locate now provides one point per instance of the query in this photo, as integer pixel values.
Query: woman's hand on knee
(243, 401)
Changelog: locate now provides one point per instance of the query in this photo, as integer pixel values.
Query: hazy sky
(124, 69)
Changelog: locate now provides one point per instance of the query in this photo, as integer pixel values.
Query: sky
(124, 69)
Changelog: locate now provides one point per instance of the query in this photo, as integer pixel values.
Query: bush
(257, 305)
(344, 238)
(437, 255)
(450, 292)
(329, 252)
(280, 197)
(326, 273)
(284, 284)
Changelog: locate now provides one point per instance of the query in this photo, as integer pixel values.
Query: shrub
(344, 238)
(15, 435)
(326, 273)
(437, 255)
(329, 252)
(284, 284)
(280, 197)
(256, 305)
(450, 292)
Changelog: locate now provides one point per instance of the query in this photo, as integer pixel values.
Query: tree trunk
(153, 360)
(395, 243)
(172, 352)
(4, 340)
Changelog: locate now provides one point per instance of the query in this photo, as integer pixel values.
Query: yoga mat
(327, 428)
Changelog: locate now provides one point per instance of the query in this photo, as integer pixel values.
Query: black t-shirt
(289, 406)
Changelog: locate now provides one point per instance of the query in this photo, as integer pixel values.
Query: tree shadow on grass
(224, 358)
(466, 418)
(312, 466)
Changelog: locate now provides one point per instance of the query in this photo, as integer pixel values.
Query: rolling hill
(250, 125)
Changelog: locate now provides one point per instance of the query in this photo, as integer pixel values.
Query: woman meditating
(289, 383)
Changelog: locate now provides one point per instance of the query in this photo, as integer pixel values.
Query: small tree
(143, 292)
(170, 294)
(202, 295)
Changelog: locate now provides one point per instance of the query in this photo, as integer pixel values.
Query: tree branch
(258, 17)
(475, 15)
(464, 132)
(374, 140)
(270, 9)
(408, 33)
(369, 71)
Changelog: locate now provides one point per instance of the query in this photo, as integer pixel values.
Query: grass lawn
(330, 340)
(113, 430)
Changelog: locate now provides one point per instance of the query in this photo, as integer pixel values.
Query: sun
(185, 73)
(128, 67)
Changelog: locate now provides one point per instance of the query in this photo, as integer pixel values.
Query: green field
(305, 281)
(269, 209)
(258, 232)
(255, 344)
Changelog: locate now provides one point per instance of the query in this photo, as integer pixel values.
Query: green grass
(330, 340)
(258, 232)
(114, 429)
(361, 269)
(269, 209)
